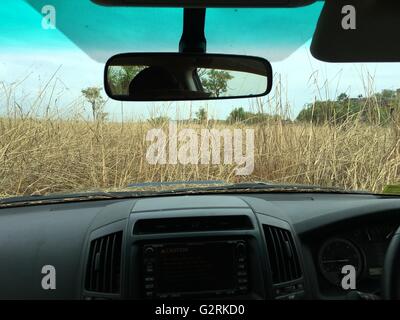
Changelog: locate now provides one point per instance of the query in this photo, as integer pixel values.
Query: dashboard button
(300, 286)
(149, 251)
(241, 249)
(149, 267)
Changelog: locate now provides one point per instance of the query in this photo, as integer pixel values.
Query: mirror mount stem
(193, 39)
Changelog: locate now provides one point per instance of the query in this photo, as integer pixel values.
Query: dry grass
(42, 156)
(47, 154)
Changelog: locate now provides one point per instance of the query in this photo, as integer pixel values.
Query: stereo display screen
(193, 267)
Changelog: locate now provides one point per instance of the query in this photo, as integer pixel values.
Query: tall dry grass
(54, 154)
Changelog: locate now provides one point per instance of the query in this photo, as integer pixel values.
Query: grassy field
(39, 156)
(45, 148)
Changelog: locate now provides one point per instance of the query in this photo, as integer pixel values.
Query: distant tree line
(237, 115)
(380, 108)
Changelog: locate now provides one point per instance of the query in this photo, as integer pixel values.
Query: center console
(194, 248)
(196, 254)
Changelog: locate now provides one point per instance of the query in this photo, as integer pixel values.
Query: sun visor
(358, 31)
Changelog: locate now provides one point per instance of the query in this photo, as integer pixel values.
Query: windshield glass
(327, 124)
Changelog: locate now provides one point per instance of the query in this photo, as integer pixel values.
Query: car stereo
(173, 270)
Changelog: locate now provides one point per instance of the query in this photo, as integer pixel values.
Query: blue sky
(86, 35)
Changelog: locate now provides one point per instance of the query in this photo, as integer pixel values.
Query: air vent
(282, 254)
(192, 224)
(103, 273)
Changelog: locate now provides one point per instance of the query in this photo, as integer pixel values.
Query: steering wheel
(391, 269)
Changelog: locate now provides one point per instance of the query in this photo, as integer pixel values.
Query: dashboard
(230, 246)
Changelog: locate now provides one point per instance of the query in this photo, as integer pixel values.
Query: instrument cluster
(363, 247)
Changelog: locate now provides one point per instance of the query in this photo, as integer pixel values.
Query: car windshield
(326, 124)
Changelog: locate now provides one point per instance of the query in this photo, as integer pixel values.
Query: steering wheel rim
(391, 269)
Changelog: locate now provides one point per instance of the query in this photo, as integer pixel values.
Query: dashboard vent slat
(92, 264)
(99, 257)
(104, 264)
(282, 253)
(289, 254)
(274, 258)
(112, 279)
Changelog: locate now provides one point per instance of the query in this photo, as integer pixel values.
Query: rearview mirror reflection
(169, 76)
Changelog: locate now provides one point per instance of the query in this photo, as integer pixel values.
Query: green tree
(93, 96)
(120, 78)
(380, 109)
(215, 81)
(388, 94)
(343, 97)
(160, 120)
(202, 115)
(240, 115)
(237, 115)
(318, 112)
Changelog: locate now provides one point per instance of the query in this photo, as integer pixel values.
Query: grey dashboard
(66, 236)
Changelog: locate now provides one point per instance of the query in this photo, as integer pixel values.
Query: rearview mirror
(182, 76)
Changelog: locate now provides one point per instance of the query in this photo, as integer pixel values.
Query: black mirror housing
(185, 76)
